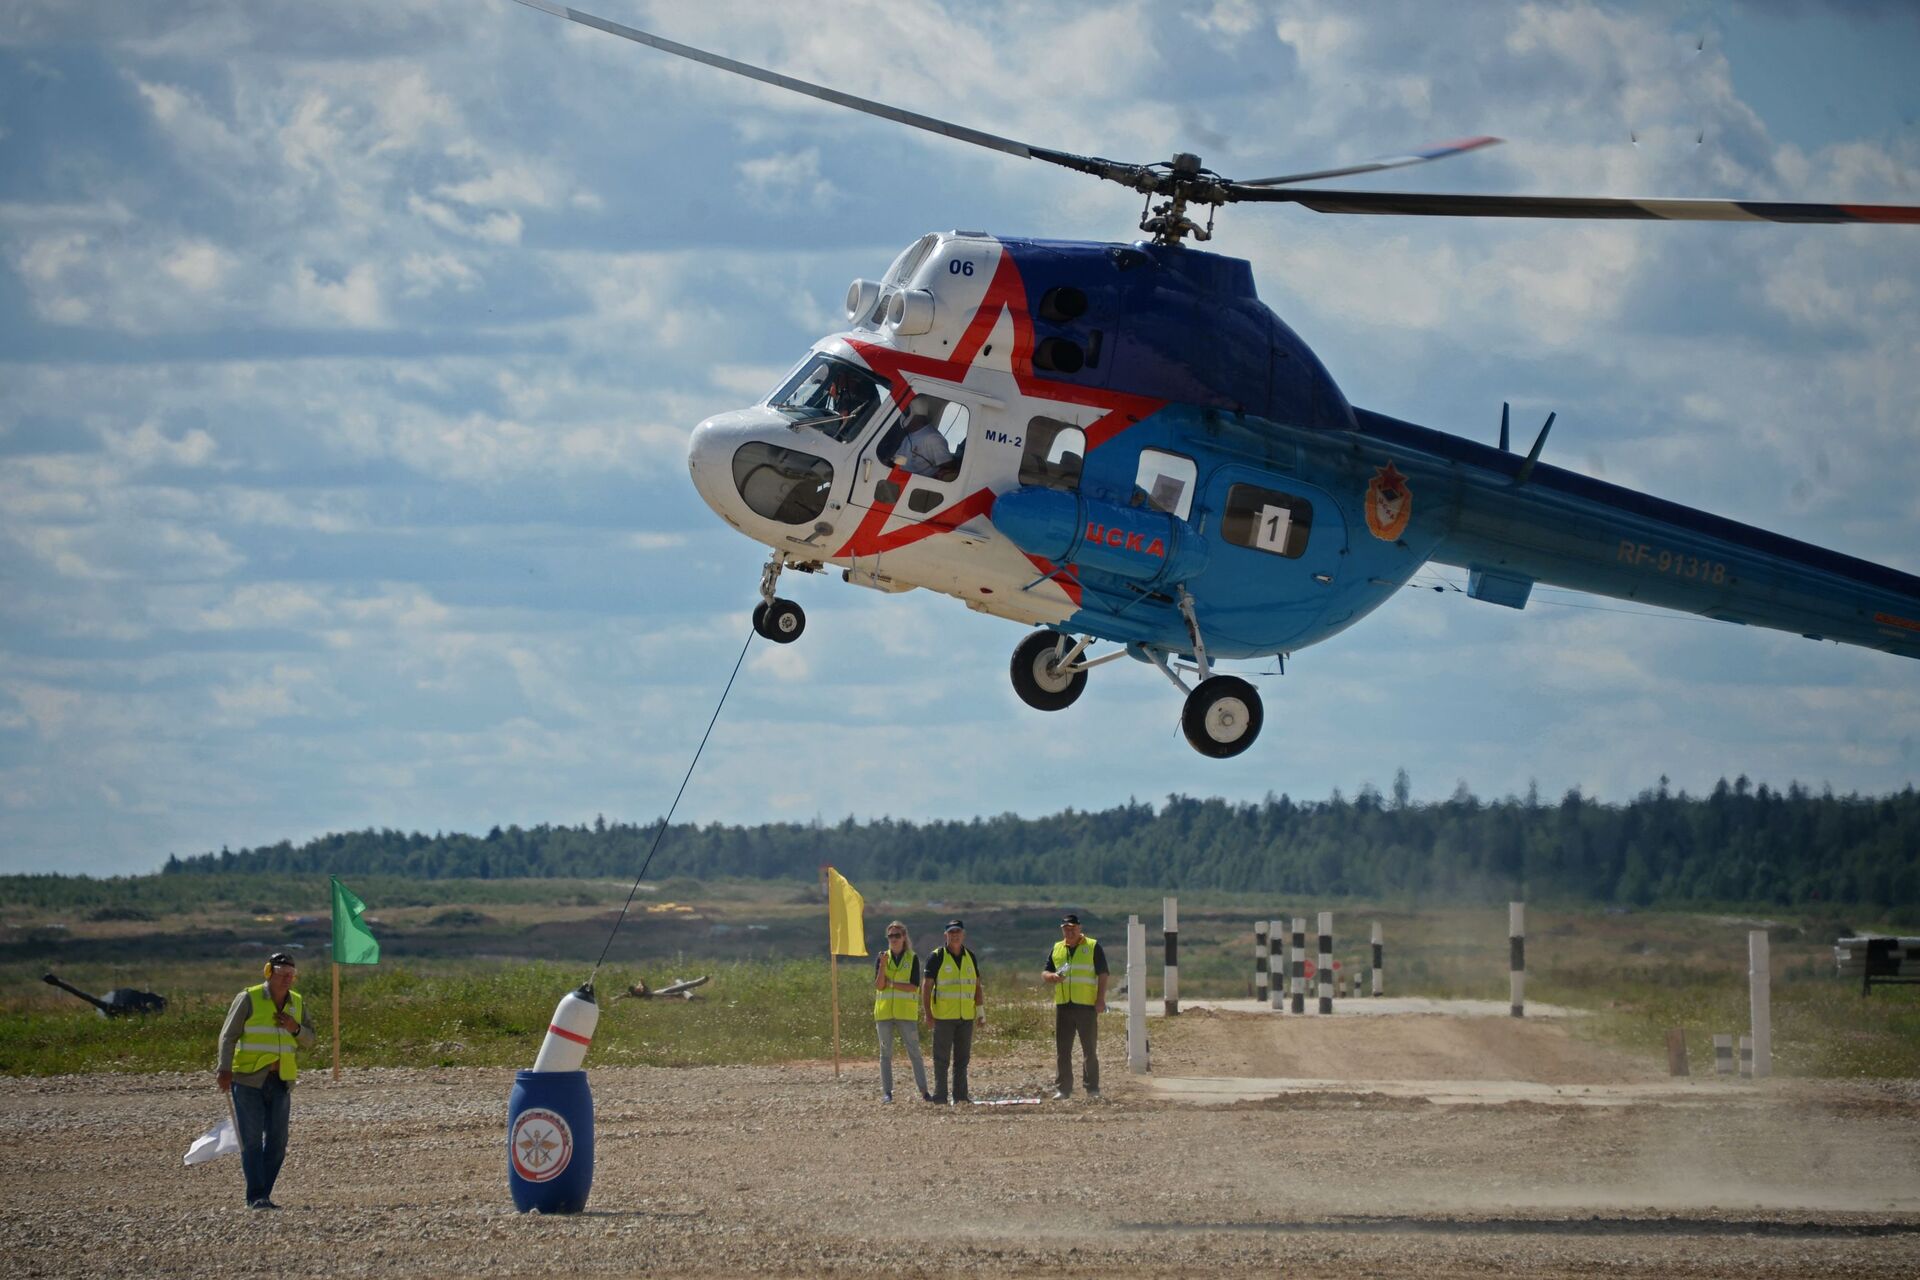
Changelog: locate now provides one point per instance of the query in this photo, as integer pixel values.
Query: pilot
(924, 451)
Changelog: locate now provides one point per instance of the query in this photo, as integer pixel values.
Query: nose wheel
(780, 621)
(1222, 717)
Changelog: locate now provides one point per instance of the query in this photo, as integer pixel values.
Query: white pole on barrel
(1759, 999)
(1277, 964)
(1136, 995)
(1326, 962)
(1260, 953)
(1517, 955)
(1170, 928)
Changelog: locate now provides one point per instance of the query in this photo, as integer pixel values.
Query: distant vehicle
(117, 1003)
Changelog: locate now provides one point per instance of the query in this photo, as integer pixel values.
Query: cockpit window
(831, 396)
(782, 484)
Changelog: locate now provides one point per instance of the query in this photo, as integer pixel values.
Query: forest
(1737, 844)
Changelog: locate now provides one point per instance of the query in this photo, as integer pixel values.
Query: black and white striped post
(1326, 962)
(1517, 956)
(1746, 1057)
(1379, 960)
(1723, 1055)
(1170, 926)
(1260, 957)
(1299, 983)
(1277, 971)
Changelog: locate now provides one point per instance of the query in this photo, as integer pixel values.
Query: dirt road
(786, 1171)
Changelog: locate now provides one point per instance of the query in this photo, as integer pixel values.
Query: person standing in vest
(896, 1003)
(265, 1028)
(1077, 971)
(954, 1003)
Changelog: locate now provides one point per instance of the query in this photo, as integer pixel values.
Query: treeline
(1739, 844)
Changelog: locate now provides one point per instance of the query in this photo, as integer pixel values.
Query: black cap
(955, 924)
(1069, 918)
(279, 958)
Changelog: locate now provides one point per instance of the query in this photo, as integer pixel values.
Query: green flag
(353, 942)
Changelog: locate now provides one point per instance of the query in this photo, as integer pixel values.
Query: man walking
(1077, 972)
(266, 1026)
(953, 1001)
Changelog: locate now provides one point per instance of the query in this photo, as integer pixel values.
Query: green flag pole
(353, 943)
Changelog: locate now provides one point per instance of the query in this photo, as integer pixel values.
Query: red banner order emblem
(541, 1145)
(1389, 504)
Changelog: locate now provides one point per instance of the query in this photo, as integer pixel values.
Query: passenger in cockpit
(924, 451)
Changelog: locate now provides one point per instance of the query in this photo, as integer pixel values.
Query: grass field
(472, 969)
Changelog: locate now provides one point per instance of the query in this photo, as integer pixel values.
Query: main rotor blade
(1113, 170)
(1424, 205)
(1438, 151)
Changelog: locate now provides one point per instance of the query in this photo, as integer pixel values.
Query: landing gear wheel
(1037, 678)
(1222, 717)
(780, 621)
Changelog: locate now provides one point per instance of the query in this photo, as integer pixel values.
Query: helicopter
(1121, 445)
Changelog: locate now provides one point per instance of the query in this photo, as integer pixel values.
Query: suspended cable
(661, 831)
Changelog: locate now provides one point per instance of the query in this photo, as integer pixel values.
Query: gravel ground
(788, 1171)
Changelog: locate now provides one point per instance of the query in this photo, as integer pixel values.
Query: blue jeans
(260, 1116)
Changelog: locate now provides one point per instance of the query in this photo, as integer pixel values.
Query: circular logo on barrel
(541, 1145)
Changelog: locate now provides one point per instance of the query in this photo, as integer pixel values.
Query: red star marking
(1388, 480)
(1005, 292)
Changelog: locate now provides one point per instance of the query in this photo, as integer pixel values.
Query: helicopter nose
(710, 453)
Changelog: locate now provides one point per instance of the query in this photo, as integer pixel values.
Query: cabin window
(1267, 520)
(1053, 454)
(925, 500)
(1164, 482)
(929, 440)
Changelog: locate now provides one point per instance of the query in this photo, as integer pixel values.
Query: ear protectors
(266, 970)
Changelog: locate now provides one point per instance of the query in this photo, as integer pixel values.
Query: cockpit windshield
(831, 396)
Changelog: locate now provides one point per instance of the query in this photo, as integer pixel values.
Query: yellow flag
(846, 917)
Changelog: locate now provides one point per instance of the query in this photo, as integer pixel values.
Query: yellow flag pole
(336, 1019)
(834, 959)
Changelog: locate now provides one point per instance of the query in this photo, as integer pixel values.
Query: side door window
(1053, 454)
(921, 456)
(1267, 520)
(1164, 482)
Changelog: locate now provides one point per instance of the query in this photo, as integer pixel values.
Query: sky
(348, 354)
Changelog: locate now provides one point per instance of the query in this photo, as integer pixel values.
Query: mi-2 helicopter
(1120, 443)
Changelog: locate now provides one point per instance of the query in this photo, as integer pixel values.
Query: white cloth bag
(221, 1140)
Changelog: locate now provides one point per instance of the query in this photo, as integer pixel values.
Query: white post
(1379, 960)
(1277, 967)
(1746, 1057)
(1170, 927)
(1299, 979)
(1136, 995)
(1326, 962)
(1759, 999)
(1517, 956)
(1261, 953)
(1723, 1055)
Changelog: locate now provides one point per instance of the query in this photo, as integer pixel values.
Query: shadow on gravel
(1379, 1225)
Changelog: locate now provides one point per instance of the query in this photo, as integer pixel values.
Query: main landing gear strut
(1222, 715)
(780, 621)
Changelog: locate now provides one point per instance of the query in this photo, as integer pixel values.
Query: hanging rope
(662, 829)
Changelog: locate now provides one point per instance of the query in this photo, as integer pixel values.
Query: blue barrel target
(550, 1141)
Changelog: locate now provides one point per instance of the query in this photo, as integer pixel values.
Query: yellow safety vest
(263, 1040)
(896, 1004)
(955, 984)
(1079, 984)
